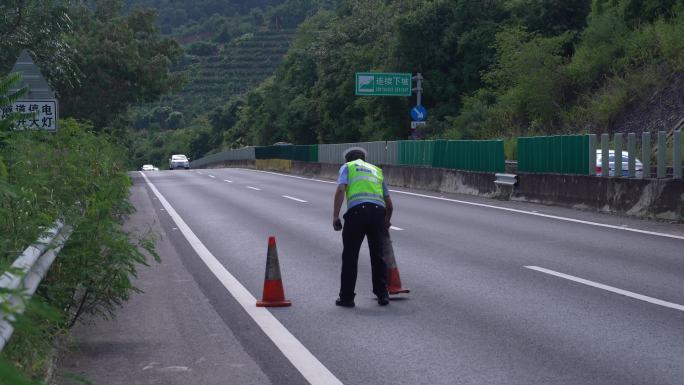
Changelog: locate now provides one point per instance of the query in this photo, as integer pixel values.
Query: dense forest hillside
(257, 72)
(492, 68)
(230, 47)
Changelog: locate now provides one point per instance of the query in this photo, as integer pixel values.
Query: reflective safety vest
(365, 184)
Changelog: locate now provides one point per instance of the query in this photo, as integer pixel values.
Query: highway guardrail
(19, 283)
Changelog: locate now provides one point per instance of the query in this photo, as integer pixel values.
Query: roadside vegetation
(79, 177)
(493, 69)
(78, 174)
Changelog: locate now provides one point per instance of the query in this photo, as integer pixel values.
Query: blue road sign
(419, 113)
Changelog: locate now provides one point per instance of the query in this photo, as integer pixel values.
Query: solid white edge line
(293, 198)
(396, 228)
(302, 359)
(254, 188)
(612, 289)
(680, 237)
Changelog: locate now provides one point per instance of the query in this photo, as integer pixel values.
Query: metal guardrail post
(592, 154)
(618, 155)
(631, 154)
(662, 151)
(26, 273)
(646, 154)
(677, 155)
(605, 150)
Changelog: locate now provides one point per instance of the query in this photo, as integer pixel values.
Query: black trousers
(364, 220)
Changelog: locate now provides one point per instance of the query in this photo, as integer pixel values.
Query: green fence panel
(416, 152)
(469, 155)
(313, 153)
(304, 153)
(562, 154)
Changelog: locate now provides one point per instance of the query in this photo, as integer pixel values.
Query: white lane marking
(612, 289)
(294, 199)
(201, 173)
(396, 228)
(546, 215)
(211, 176)
(290, 176)
(537, 214)
(254, 188)
(302, 359)
(229, 181)
(174, 369)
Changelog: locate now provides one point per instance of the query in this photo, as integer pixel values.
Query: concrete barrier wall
(231, 163)
(645, 198)
(442, 180)
(282, 165)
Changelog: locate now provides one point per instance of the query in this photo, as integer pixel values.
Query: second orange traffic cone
(274, 295)
(393, 279)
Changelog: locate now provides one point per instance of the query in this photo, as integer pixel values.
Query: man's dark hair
(354, 155)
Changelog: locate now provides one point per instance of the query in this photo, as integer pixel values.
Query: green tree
(123, 59)
(40, 26)
(550, 17)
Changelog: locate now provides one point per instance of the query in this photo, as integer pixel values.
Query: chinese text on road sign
(35, 114)
(383, 84)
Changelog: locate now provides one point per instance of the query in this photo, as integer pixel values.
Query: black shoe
(345, 303)
(384, 300)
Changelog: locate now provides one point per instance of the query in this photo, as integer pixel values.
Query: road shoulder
(169, 334)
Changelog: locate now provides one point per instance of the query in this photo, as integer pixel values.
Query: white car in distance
(179, 161)
(148, 167)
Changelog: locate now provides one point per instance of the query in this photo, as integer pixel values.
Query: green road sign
(383, 84)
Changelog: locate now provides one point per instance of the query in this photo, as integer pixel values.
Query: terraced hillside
(231, 69)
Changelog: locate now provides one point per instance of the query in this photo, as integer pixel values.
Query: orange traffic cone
(274, 295)
(393, 279)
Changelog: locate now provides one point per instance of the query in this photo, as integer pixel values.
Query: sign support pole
(418, 112)
(419, 88)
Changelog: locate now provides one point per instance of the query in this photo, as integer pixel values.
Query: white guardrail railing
(19, 283)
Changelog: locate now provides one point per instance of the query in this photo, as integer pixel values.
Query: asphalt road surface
(502, 292)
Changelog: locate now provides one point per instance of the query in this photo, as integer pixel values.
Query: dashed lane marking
(300, 357)
(396, 228)
(294, 199)
(229, 181)
(254, 188)
(211, 176)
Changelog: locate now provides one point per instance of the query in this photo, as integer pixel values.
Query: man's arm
(337, 205)
(389, 207)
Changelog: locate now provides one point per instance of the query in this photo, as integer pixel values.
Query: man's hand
(337, 205)
(389, 208)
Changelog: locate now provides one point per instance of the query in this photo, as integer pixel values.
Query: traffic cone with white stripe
(393, 279)
(274, 295)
